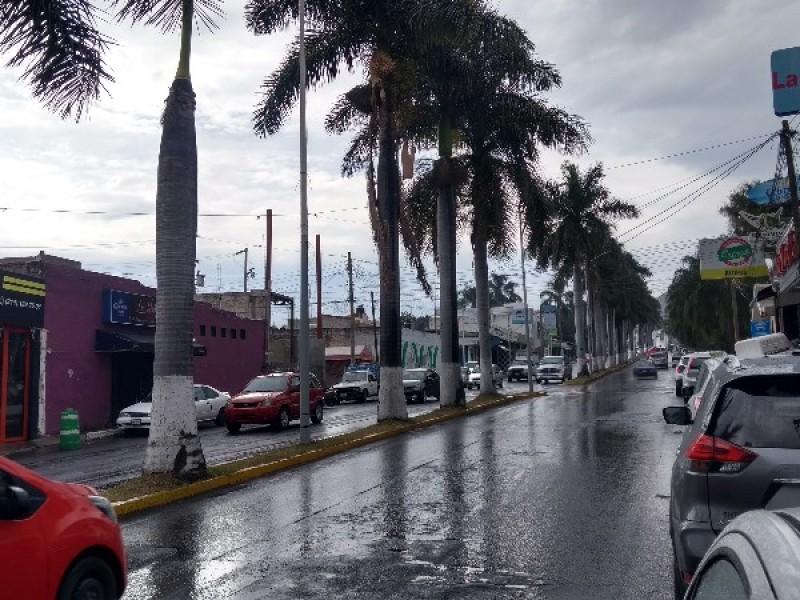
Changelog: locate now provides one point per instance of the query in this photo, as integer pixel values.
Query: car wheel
(421, 397)
(282, 422)
(219, 420)
(316, 418)
(91, 578)
(678, 388)
(233, 428)
(364, 396)
(469, 386)
(539, 381)
(500, 384)
(510, 379)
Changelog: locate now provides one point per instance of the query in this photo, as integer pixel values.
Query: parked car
(419, 384)
(690, 372)
(660, 359)
(356, 385)
(675, 357)
(740, 452)
(679, 368)
(474, 378)
(273, 399)
(645, 368)
(552, 368)
(57, 540)
(757, 555)
(520, 369)
(209, 404)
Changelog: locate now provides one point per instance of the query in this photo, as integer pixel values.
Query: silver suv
(740, 452)
(553, 368)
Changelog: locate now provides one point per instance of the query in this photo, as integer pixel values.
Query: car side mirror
(14, 503)
(677, 415)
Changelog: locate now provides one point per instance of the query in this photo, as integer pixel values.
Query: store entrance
(131, 379)
(14, 383)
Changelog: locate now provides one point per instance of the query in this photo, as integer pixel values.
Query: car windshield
(271, 383)
(552, 360)
(414, 375)
(697, 362)
(355, 376)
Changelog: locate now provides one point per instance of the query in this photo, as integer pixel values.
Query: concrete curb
(599, 374)
(126, 508)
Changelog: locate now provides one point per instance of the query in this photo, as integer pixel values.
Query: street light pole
(525, 305)
(305, 436)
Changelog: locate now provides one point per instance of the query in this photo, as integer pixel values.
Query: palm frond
(167, 14)
(61, 50)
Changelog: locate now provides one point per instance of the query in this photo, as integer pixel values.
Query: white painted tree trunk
(482, 302)
(580, 321)
(173, 445)
(391, 400)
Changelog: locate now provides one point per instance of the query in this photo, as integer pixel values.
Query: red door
(14, 383)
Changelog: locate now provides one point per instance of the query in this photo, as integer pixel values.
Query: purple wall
(80, 378)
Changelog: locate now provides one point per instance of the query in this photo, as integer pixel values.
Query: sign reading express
(730, 258)
(125, 308)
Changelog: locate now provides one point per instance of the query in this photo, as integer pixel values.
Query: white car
(679, 369)
(474, 377)
(209, 404)
(552, 368)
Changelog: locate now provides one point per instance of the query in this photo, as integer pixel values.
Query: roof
(732, 368)
(363, 353)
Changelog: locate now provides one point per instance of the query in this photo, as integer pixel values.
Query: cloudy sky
(673, 92)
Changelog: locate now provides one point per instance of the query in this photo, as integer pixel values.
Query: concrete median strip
(254, 467)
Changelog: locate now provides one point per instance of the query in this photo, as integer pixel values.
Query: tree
(466, 297)
(501, 292)
(174, 445)
(580, 210)
(61, 49)
(384, 37)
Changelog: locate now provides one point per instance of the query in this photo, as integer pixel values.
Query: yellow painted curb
(126, 508)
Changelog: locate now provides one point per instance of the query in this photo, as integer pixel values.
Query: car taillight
(709, 454)
(680, 368)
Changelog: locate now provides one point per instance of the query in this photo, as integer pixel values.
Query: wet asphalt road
(561, 497)
(107, 461)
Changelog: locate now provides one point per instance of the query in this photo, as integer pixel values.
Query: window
(223, 332)
(760, 411)
(213, 331)
(720, 581)
(241, 333)
(202, 330)
(233, 333)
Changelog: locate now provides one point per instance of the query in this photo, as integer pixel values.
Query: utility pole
(245, 267)
(268, 290)
(319, 290)
(352, 312)
(786, 142)
(530, 374)
(305, 380)
(374, 326)
(734, 311)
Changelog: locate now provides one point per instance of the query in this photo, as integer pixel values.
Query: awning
(114, 341)
(764, 294)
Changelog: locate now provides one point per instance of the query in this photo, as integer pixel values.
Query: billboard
(785, 65)
(730, 258)
(518, 316)
(21, 300)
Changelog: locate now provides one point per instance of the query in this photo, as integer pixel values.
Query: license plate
(136, 421)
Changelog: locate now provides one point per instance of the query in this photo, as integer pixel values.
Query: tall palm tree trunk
(580, 320)
(173, 444)
(480, 253)
(451, 384)
(391, 400)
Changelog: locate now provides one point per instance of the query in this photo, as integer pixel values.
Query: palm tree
(174, 445)
(384, 37)
(581, 213)
(61, 49)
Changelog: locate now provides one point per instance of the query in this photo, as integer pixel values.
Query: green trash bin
(70, 430)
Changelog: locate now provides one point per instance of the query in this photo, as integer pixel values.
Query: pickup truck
(355, 385)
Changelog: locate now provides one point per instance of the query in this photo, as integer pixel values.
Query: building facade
(94, 348)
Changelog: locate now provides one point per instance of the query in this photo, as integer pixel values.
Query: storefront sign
(785, 66)
(128, 309)
(730, 258)
(518, 316)
(759, 327)
(787, 253)
(21, 300)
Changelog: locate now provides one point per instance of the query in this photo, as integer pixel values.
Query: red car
(273, 399)
(57, 540)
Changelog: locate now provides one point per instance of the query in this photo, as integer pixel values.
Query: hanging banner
(785, 66)
(730, 258)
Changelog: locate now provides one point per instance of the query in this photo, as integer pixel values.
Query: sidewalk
(51, 442)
